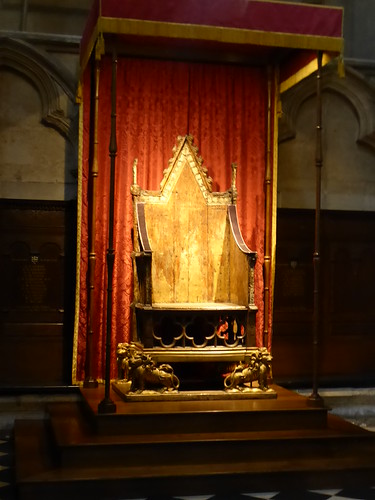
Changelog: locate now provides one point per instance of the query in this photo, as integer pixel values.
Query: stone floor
(357, 405)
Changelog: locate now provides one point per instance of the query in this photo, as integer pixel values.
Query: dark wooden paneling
(347, 329)
(37, 292)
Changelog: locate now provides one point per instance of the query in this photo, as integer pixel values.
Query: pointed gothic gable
(185, 164)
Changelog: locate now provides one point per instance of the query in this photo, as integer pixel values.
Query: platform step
(74, 454)
(76, 442)
(39, 474)
(288, 411)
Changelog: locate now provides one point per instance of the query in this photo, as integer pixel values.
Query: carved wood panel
(37, 292)
(347, 330)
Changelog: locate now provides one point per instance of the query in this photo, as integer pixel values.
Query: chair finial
(135, 189)
(233, 186)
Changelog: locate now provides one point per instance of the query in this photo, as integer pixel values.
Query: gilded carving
(256, 370)
(139, 369)
(186, 152)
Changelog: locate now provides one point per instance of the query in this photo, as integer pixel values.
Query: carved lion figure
(141, 370)
(256, 370)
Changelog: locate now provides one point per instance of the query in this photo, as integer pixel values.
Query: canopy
(210, 69)
(247, 31)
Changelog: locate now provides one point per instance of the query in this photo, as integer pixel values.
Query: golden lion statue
(141, 370)
(256, 370)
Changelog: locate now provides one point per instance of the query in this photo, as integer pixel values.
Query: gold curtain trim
(219, 34)
(78, 255)
(341, 67)
(160, 29)
(97, 33)
(79, 93)
(100, 47)
(303, 73)
(303, 4)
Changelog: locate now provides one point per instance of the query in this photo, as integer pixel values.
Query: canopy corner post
(107, 405)
(315, 399)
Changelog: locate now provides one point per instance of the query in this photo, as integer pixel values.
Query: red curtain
(224, 108)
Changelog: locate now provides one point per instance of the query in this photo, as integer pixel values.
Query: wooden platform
(187, 448)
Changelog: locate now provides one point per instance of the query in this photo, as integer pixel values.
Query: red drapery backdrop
(225, 108)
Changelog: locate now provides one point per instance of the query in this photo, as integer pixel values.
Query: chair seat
(192, 306)
(218, 354)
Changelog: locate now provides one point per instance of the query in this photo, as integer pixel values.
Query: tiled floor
(297, 495)
(7, 490)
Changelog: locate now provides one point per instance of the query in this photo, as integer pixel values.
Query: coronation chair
(193, 273)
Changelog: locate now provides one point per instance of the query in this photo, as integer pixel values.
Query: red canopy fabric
(243, 14)
(224, 108)
(250, 22)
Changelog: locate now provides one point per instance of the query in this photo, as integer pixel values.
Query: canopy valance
(247, 31)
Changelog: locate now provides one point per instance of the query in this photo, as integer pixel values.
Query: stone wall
(348, 173)
(39, 71)
(39, 68)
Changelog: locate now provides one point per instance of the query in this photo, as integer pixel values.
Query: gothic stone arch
(354, 89)
(47, 77)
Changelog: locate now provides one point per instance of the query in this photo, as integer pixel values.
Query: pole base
(106, 406)
(90, 383)
(315, 400)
